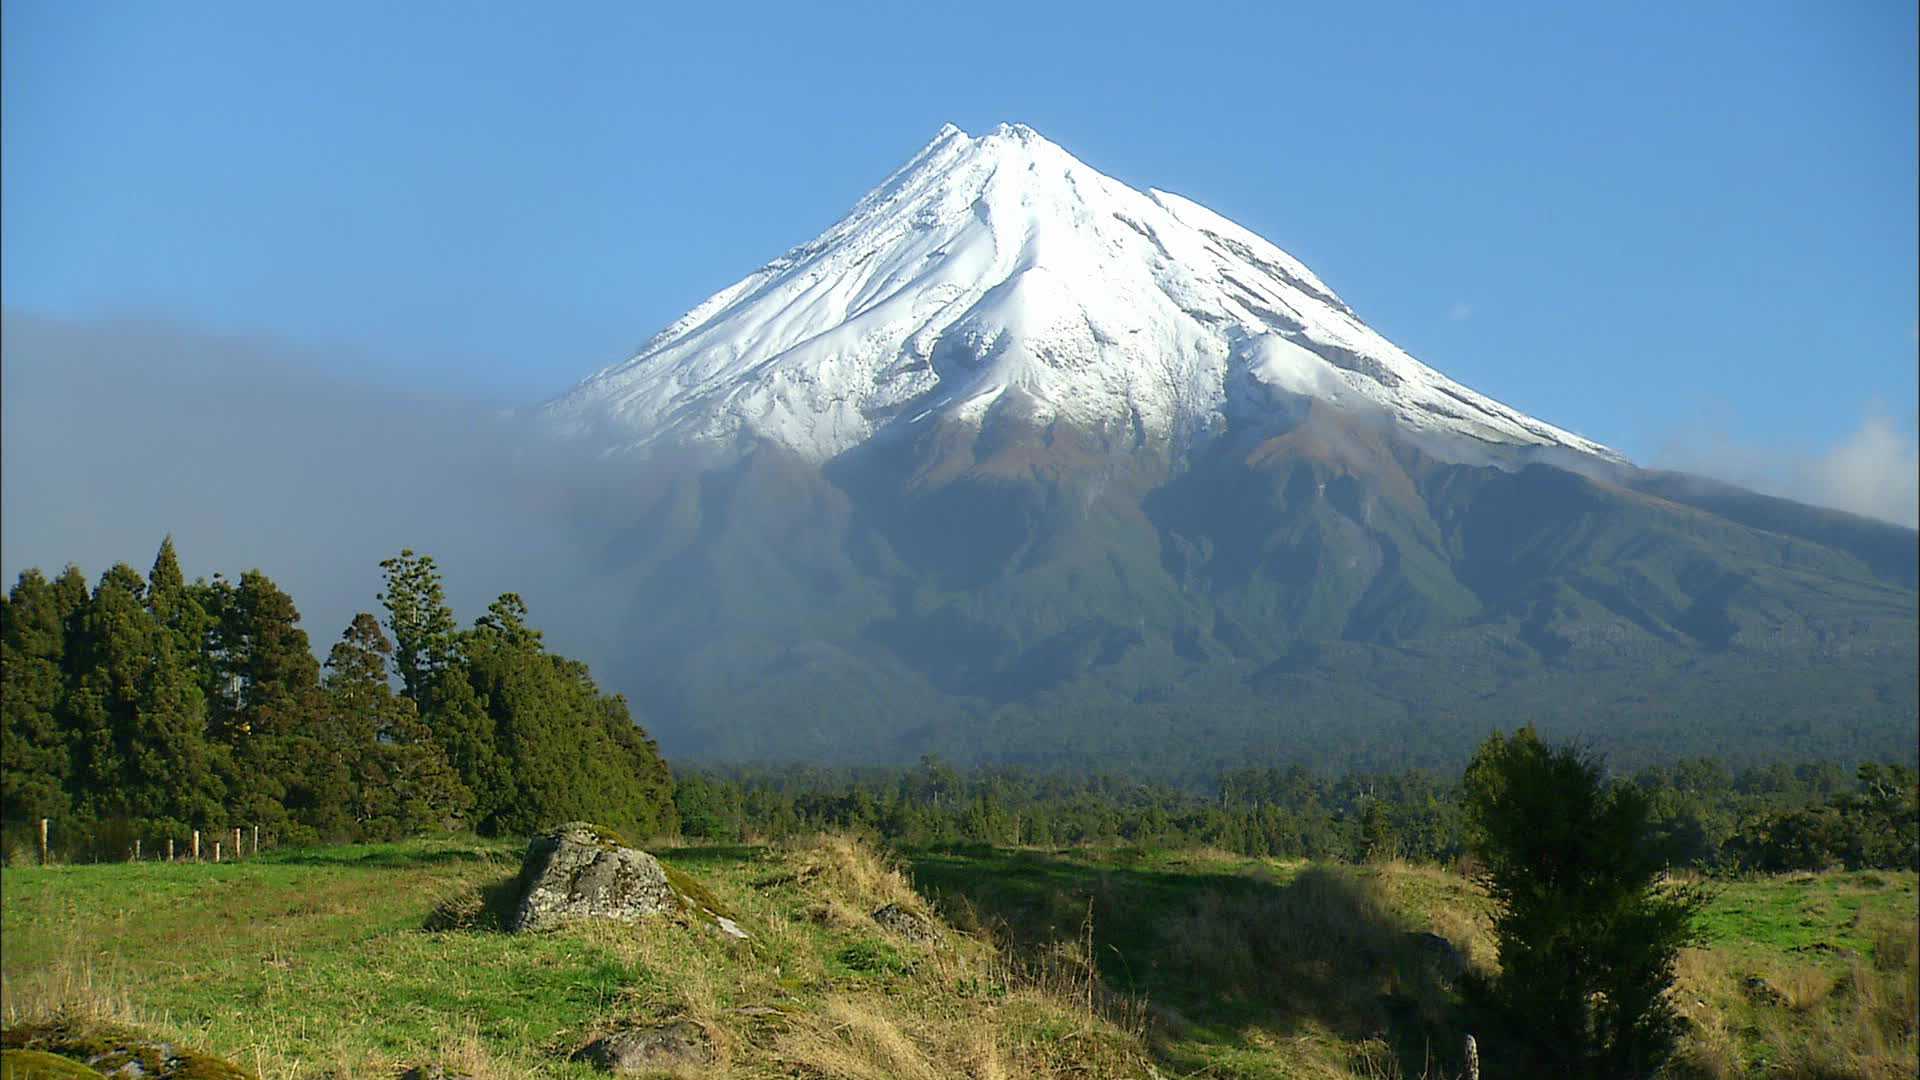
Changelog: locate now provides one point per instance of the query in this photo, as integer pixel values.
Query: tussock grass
(1817, 1019)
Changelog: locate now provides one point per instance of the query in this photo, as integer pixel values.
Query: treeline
(1778, 817)
(151, 707)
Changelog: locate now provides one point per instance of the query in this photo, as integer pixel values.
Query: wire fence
(52, 842)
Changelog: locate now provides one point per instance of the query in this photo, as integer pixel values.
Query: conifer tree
(177, 609)
(166, 585)
(423, 625)
(110, 655)
(570, 751)
(270, 703)
(33, 744)
(459, 722)
(400, 779)
(172, 783)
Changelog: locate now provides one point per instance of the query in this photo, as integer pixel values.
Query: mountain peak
(1001, 272)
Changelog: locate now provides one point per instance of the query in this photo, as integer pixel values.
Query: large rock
(653, 1048)
(582, 871)
(1439, 955)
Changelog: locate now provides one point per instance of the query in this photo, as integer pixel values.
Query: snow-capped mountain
(1000, 273)
(1062, 471)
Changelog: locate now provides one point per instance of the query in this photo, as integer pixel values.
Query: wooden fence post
(43, 841)
(1473, 1059)
(169, 849)
(136, 849)
(256, 839)
(196, 845)
(216, 851)
(236, 843)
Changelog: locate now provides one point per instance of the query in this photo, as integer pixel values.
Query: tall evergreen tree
(177, 609)
(399, 777)
(33, 743)
(459, 722)
(423, 625)
(109, 656)
(166, 585)
(428, 656)
(281, 777)
(570, 751)
(172, 783)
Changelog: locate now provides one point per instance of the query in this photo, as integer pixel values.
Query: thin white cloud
(1873, 471)
(1461, 311)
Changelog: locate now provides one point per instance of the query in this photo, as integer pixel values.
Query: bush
(1587, 932)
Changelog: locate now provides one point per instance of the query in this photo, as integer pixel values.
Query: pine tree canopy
(157, 706)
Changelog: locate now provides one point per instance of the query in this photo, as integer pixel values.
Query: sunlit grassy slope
(362, 961)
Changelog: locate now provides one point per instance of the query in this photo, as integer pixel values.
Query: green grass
(363, 960)
(335, 934)
(1828, 915)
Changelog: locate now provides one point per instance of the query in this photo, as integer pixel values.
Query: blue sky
(1656, 225)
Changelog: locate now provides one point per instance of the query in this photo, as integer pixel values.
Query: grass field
(363, 961)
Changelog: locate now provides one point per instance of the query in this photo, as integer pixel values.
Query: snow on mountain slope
(1001, 272)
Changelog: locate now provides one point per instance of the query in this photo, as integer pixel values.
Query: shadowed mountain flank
(1329, 593)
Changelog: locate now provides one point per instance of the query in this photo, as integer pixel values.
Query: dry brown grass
(1470, 932)
(963, 1008)
(1806, 1021)
(74, 983)
(848, 880)
(968, 1008)
(859, 1040)
(849, 869)
(1804, 987)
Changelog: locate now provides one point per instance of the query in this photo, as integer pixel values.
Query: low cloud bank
(1874, 471)
(252, 454)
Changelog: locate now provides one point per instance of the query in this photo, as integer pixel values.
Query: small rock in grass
(908, 924)
(1762, 991)
(648, 1048)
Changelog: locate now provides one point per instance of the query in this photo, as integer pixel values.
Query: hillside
(363, 961)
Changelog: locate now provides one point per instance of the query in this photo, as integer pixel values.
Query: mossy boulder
(909, 924)
(680, 1044)
(40, 1065)
(581, 871)
(116, 1051)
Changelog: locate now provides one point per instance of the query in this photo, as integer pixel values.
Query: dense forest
(151, 707)
(1701, 815)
